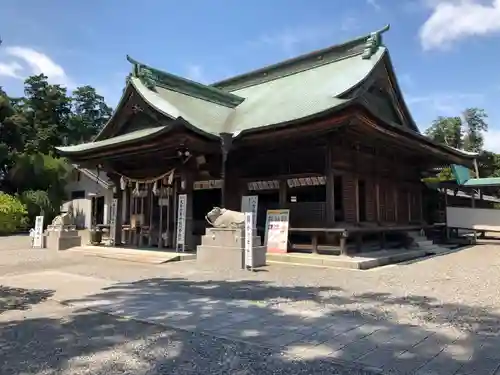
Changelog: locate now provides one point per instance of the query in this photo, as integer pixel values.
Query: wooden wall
(398, 180)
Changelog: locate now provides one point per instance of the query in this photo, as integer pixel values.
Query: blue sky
(445, 52)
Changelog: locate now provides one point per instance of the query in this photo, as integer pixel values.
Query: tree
(30, 129)
(90, 114)
(466, 132)
(446, 130)
(47, 109)
(475, 122)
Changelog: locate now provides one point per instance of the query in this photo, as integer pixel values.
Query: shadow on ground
(21, 299)
(285, 323)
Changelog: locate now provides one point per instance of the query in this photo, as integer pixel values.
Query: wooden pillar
(420, 205)
(160, 211)
(188, 178)
(174, 202)
(330, 187)
(377, 198)
(395, 204)
(151, 201)
(226, 143)
(356, 199)
(283, 193)
(118, 195)
(409, 195)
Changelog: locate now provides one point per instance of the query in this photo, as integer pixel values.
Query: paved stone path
(305, 332)
(438, 315)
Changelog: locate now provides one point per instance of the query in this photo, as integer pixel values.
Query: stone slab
(134, 255)
(366, 262)
(62, 240)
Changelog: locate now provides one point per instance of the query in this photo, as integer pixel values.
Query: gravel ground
(52, 339)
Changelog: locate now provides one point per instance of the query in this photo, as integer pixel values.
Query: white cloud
(492, 140)
(195, 72)
(452, 20)
(11, 69)
(34, 63)
(445, 104)
(290, 40)
(374, 4)
(349, 24)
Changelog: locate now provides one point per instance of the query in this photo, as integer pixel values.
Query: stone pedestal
(62, 238)
(223, 247)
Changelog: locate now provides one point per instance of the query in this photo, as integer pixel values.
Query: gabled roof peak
(366, 46)
(152, 77)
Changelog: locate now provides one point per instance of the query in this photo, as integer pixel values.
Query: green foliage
(475, 120)
(90, 114)
(12, 214)
(446, 130)
(30, 129)
(467, 133)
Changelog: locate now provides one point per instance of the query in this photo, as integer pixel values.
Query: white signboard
(38, 233)
(249, 222)
(276, 236)
(112, 220)
(250, 203)
(181, 222)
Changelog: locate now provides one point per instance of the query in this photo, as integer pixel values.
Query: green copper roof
(478, 182)
(207, 116)
(282, 93)
(286, 98)
(121, 139)
(153, 78)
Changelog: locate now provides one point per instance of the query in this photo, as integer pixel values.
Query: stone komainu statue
(222, 218)
(62, 220)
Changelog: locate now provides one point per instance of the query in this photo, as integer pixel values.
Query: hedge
(12, 214)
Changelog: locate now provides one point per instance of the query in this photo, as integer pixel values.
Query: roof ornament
(373, 42)
(147, 78)
(142, 72)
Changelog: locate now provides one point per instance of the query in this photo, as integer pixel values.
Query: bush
(12, 214)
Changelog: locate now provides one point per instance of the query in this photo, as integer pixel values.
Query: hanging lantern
(123, 183)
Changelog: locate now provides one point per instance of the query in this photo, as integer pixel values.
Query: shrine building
(326, 135)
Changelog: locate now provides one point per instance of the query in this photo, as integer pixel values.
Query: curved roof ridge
(366, 45)
(152, 77)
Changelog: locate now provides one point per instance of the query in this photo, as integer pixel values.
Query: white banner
(249, 239)
(38, 233)
(112, 220)
(181, 222)
(250, 203)
(276, 235)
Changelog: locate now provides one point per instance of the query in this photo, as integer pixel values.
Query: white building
(89, 193)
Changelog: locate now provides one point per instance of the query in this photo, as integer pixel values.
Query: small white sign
(112, 220)
(276, 235)
(181, 222)
(249, 239)
(250, 203)
(38, 233)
